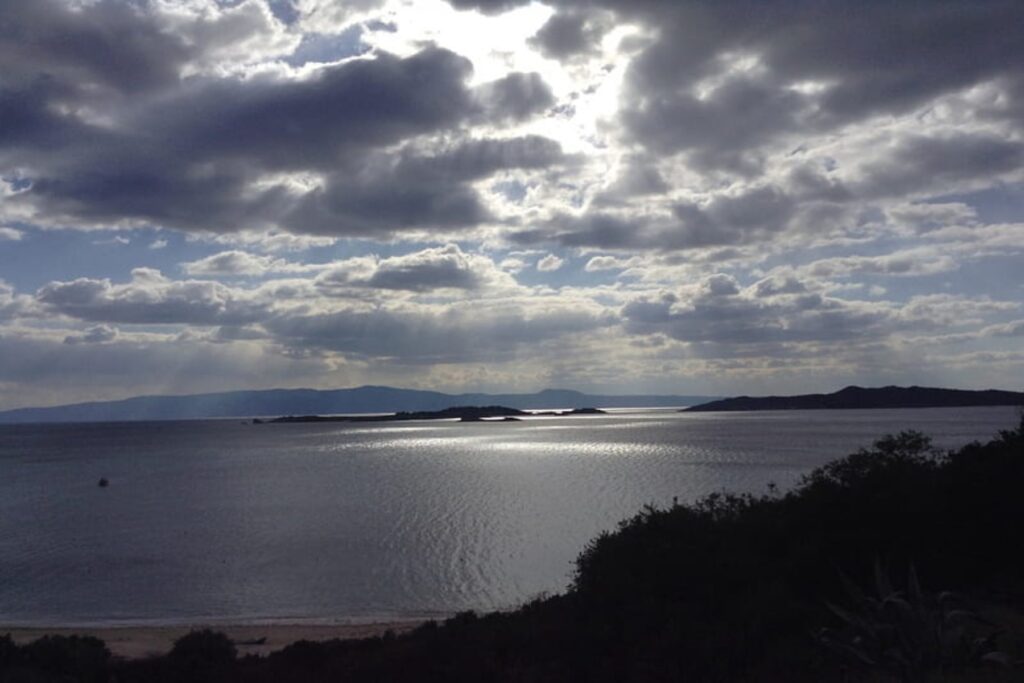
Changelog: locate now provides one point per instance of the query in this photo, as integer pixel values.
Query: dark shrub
(9, 653)
(910, 634)
(727, 589)
(75, 658)
(203, 649)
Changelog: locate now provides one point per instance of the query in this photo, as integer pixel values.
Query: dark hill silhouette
(367, 399)
(853, 397)
(463, 413)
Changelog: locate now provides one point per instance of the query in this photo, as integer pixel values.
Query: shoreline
(140, 641)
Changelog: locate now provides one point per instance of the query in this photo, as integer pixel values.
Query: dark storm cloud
(719, 313)
(721, 319)
(371, 206)
(606, 231)
(440, 271)
(723, 128)
(638, 178)
(919, 163)
(97, 334)
(454, 335)
(592, 229)
(719, 85)
(871, 57)
(158, 188)
(567, 34)
(515, 97)
(474, 159)
(29, 122)
(807, 182)
(188, 156)
(1009, 106)
(730, 87)
(150, 299)
(316, 123)
(235, 333)
(108, 44)
(890, 57)
(417, 190)
(488, 6)
(755, 214)
(187, 160)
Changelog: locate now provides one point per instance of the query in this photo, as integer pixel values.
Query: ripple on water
(219, 520)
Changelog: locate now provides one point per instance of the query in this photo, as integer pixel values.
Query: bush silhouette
(203, 649)
(78, 658)
(729, 585)
(910, 634)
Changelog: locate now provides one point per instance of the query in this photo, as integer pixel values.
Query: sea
(224, 521)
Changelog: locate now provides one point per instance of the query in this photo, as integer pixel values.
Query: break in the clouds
(499, 194)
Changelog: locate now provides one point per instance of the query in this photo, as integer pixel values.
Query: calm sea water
(225, 522)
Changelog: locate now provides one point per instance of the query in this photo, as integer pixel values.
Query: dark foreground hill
(846, 578)
(859, 397)
(369, 399)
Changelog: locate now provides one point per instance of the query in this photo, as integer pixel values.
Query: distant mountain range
(277, 402)
(859, 397)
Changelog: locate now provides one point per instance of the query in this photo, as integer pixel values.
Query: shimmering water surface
(223, 521)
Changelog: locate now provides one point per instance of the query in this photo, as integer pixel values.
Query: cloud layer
(501, 194)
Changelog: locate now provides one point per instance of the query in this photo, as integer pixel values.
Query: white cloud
(234, 263)
(549, 263)
(150, 298)
(97, 334)
(597, 264)
(1014, 328)
(436, 268)
(513, 265)
(119, 240)
(908, 263)
(270, 241)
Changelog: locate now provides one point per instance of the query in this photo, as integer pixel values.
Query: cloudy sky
(609, 195)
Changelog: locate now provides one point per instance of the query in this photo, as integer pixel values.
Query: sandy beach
(132, 642)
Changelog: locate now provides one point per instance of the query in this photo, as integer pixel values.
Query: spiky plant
(909, 634)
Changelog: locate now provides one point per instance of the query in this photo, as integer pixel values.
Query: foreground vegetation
(896, 563)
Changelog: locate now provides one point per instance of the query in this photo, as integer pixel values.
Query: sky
(618, 196)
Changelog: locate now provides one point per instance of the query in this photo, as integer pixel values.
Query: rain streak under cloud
(609, 195)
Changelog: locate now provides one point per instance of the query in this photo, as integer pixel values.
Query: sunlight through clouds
(691, 195)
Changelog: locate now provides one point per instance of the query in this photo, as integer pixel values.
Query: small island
(563, 413)
(461, 413)
(854, 397)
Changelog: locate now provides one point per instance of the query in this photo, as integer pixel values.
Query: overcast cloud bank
(659, 196)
